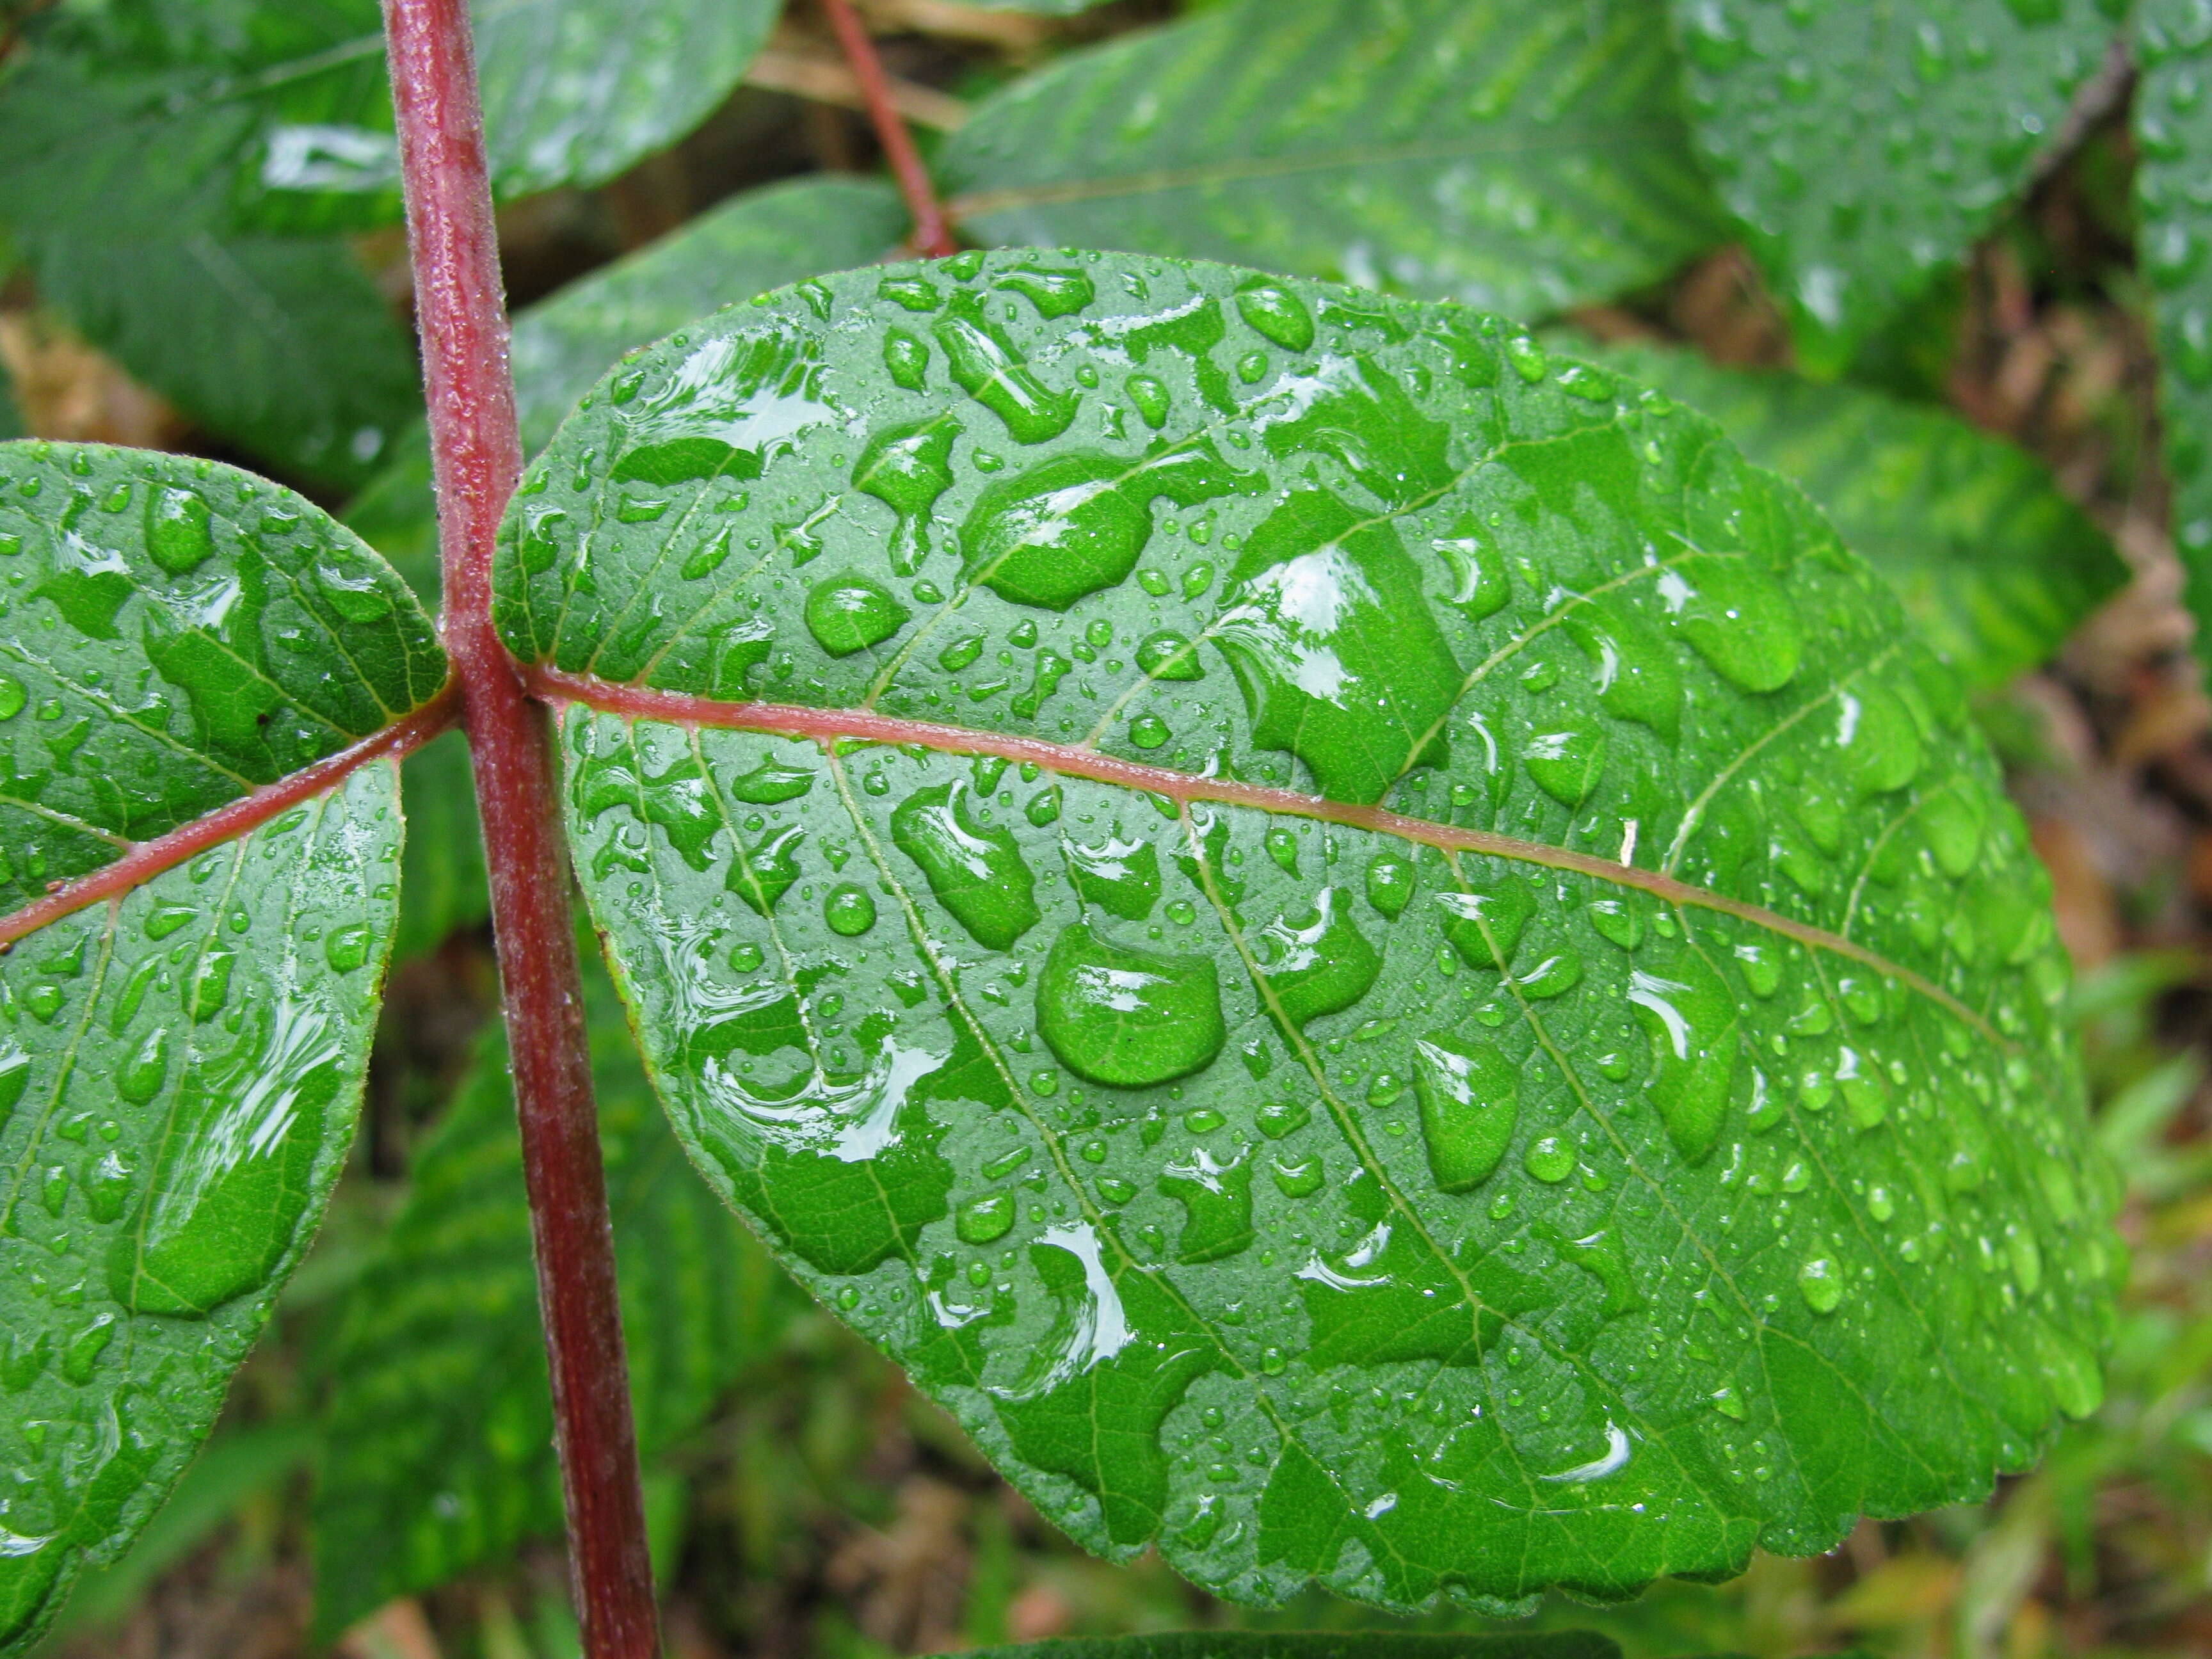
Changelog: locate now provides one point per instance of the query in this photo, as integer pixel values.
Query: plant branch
(933, 231)
(476, 458)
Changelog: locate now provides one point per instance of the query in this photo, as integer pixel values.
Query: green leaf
(11, 418)
(1336, 1645)
(1038, 8)
(1419, 1206)
(444, 886)
(178, 1066)
(763, 240)
(437, 1438)
(2173, 132)
(1525, 157)
(282, 343)
(1864, 147)
(278, 116)
(1995, 565)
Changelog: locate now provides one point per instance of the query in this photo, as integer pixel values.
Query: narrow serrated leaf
(1380, 962)
(436, 1441)
(1524, 157)
(1992, 562)
(1865, 147)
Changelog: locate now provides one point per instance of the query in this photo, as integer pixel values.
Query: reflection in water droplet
(848, 909)
(1470, 1104)
(975, 870)
(1127, 1017)
(848, 613)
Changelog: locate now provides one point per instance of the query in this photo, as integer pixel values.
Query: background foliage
(1967, 369)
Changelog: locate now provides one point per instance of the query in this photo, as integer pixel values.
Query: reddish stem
(933, 231)
(148, 859)
(477, 456)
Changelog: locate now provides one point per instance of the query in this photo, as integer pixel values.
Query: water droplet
(1270, 309)
(1821, 1282)
(12, 698)
(1298, 1178)
(1470, 1102)
(1126, 1017)
(164, 920)
(1690, 1018)
(747, 957)
(769, 785)
(1121, 877)
(849, 910)
(1217, 1202)
(1390, 884)
(1484, 929)
(1075, 525)
(1567, 761)
(178, 530)
(907, 468)
(1616, 919)
(1167, 655)
(850, 613)
(1549, 1159)
(975, 870)
(1737, 617)
(358, 595)
(1527, 357)
(987, 1219)
(1282, 846)
(140, 1078)
(1728, 1403)
(1318, 963)
(907, 360)
(1149, 731)
(1150, 399)
(347, 948)
(987, 366)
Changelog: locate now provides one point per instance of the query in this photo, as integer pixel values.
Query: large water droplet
(1217, 1202)
(850, 613)
(1270, 309)
(347, 948)
(1121, 877)
(179, 533)
(1390, 884)
(990, 369)
(1821, 1282)
(1128, 1018)
(1470, 1102)
(907, 468)
(1737, 617)
(1316, 963)
(986, 1220)
(975, 870)
(1484, 929)
(1690, 1018)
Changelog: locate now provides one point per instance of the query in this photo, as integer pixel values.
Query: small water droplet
(1821, 1282)
(1550, 1159)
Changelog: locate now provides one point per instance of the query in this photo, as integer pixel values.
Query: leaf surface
(1576, 1179)
(1865, 147)
(2173, 132)
(178, 1067)
(444, 886)
(1336, 1645)
(1528, 158)
(1996, 566)
(437, 1438)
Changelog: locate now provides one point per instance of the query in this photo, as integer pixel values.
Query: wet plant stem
(476, 458)
(933, 231)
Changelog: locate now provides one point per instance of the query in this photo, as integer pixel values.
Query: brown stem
(476, 457)
(933, 231)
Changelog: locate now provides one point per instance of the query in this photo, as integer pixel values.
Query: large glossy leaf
(1864, 147)
(1995, 565)
(763, 240)
(279, 113)
(437, 1438)
(179, 1067)
(2173, 132)
(1527, 157)
(1657, 1140)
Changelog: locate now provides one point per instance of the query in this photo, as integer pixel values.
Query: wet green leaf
(437, 1438)
(179, 1072)
(747, 246)
(2173, 133)
(178, 1067)
(271, 116)
(1995, 565)
(1317, 1197)
(1524, 157)
(1864, 147)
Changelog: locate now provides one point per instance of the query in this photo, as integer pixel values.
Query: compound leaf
(178, 1066)
(437, 1439)
(1523, 157)
(1995, 565)
(1865, 147)
(1420, 1205)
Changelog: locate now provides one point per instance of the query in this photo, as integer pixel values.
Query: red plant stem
(148, 859)
(477, 455)
(933, 231)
